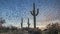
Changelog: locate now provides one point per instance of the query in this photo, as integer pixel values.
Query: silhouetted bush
(53, 28)
(35, 31)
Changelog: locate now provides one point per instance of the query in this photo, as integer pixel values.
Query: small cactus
(28, 23)
(34, 14)
(21, 22)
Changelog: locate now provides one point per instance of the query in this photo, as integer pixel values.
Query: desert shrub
(53, 28)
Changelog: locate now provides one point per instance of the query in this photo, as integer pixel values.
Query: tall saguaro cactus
(34, 14)
(28, 23)
(21, 22)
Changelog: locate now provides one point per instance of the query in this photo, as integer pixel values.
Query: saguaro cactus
(34, 14)
(21, 22)
(28, 23)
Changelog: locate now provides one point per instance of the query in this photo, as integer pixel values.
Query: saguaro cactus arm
(37, 12)
(31, 13)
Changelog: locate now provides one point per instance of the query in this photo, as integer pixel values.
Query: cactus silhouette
(21, 22)
(28, 23)
(34, 14)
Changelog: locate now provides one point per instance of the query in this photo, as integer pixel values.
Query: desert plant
(2, 21)
(53, 28)
(28, 23)
(34, 14)
(21, 22)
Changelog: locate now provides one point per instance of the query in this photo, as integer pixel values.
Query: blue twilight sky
(13, 10)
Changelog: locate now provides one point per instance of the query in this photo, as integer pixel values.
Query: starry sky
(13, 10)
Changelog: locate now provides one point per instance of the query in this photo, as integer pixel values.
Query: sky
(13, 10)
